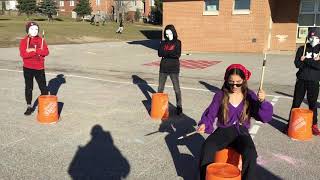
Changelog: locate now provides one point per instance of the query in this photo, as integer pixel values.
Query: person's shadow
(53, 88)
(264, 174)
(150, 43)
(305, 101)
(55, 84)
(279, 123)
(99, 159)
(209, 86)
(186, 165)
(145, 89)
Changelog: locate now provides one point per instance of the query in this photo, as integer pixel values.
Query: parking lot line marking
(13, 142)
(130, 83)
(254, 129)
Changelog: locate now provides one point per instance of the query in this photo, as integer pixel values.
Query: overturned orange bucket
(160, 106)
(300, 124)
(230, 156)
(222, 171)
(47, 109)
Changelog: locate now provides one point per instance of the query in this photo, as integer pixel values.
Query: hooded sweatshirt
(309, 69)
(170, 52)
(33, 60)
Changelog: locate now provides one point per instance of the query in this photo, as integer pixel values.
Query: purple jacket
(260, 111)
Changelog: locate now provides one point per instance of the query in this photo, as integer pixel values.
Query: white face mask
(314, 40)
(169, 34)
(33, 31)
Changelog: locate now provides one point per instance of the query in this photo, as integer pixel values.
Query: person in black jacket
(308, 75)
(120, 29)
(170, 52)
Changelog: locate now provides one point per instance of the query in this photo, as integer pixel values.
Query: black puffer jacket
(170, 52)
(309, 69)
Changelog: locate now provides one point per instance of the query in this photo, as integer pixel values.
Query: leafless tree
(120, 7)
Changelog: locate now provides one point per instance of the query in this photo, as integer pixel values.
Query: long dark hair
(224, 110)
(173, 29)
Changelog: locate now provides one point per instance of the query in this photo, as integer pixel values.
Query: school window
(241, 4)
(309, 13)
(61, 3)
(241, 7)
(211, 7)
(71, 3)
(309, 16)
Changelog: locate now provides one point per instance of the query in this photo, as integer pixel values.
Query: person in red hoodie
(33, 49)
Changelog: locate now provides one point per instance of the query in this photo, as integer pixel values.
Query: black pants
(40, 77)
(312, 89)
(176, 86)
(230, 137)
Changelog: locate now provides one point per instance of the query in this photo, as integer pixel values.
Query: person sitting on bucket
(308, 62)
(120, 29)
(170, 52)
(33, 49)
(233, 106)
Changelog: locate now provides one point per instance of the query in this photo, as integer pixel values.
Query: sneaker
(179, 110)
(28, 111)
(315, 130)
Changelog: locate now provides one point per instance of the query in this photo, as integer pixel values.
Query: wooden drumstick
(28, 40)
(42, 39)
(263, 69)
(305, 46)
(189, 134)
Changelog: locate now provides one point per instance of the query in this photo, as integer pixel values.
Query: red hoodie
(33, 60)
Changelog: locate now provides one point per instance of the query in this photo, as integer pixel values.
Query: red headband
(245, 71)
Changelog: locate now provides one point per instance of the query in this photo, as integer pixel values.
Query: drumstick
(305, 45)
(263, 68)
(28, 42)
(42, 39)
(189, 134)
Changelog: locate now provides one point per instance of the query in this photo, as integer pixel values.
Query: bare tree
(120, 7)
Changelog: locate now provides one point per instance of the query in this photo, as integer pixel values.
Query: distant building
(107, 7)
(11, 5)
(241, 25)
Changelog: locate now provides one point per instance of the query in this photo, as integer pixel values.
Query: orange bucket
(300, 124)
(48, 109)
(228, 155)
(222, 171)
(159, 106)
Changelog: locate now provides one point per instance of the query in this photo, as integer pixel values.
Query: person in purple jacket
(233, 107)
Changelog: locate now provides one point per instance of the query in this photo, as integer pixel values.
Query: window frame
(98, 2)
(316, 11)
(241, 11)
(210, 13)
(71, 3)
(61, 3)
